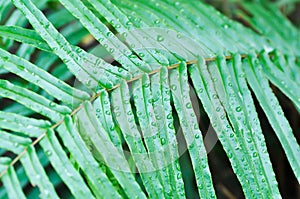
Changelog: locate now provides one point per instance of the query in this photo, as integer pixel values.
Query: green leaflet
(59, 45)
(240, 118)
(269, 103)
(106, 37)
(102, 70)
(10, 181)
(163, 113)
(42, 79)
(148, 123)
(112, 157)
(288, 87)
(28, 126)
(18, 19)
(183, 105)
(33, 101)
(98, 181)
(13, 143)
(22, 35)
(63, 167)
(212, 105)
(124, 116)
(36, 173)
(102, 107)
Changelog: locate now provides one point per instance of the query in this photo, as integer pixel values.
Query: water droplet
(173, 87)
(159, 38)
(238, 109)
(52, 104)
(109, 34)
(133, 56)
(225, 26)
(179, 176)
(163, 141)
(157, 21)
(188, 105)
(111, 50)
(128, 23)
(48, 153)
(170, 125)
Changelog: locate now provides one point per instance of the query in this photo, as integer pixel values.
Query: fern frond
(123, 118)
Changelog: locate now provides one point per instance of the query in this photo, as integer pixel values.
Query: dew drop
(173, 87)
(163, 141)
(238, 109)
(52, 104)
(179, 176)
(225, 26)
(188, 105)
(48, 153)
(159, 38)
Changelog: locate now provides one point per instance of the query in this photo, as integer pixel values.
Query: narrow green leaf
(60, 45)
(235, 106)
(20, 34)
(112, 44)
(12, 184)
(163, 113)
(239, 80)
(207, 94)
(63, 167)
(143, 102)
(103, 111)
(33, 101)
(281, 80)
(96, 67)
(41, 78)
(110, 154)
(37, 174)
(192, 134)
(274, 112)
(125, 118)
(13, 143)
(98, 181)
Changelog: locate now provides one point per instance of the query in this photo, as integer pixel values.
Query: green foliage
(124, 110)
